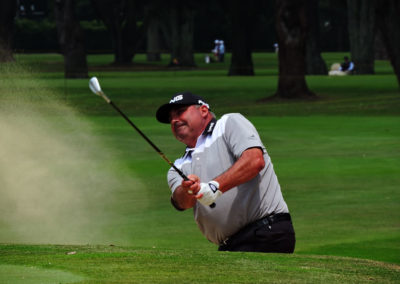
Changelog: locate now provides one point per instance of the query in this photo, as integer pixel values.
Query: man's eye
(177, 112)
(181, 110)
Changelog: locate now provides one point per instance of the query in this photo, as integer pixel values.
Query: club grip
(186, 178)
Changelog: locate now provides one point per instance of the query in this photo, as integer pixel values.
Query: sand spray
(57, 178)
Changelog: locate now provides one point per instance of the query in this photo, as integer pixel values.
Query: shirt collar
(210, 127)
(207, 131)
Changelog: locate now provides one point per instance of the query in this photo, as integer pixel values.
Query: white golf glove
(209, 191)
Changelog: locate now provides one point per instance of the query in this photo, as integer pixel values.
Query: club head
(94, 85)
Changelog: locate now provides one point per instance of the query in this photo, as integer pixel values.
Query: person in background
(276, 47)
(221, 51)
(347, 66)
(215, 50)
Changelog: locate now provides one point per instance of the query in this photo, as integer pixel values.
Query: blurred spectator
(345, 68)
(276, 47)
(347, 65)
(221, 51)
(215, 51)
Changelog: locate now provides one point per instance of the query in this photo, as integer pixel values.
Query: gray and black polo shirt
(217, 149)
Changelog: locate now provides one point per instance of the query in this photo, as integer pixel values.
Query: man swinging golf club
(228, 165)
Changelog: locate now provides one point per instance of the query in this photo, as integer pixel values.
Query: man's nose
(173, 118)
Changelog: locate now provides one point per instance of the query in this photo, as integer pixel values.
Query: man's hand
(184, 196)
(191, 186)
(208, 193)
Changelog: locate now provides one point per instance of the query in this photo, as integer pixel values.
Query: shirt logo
(210, 128)
(176, 98)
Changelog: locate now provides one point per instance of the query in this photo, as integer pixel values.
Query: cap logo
(200, 102)
(176, 98)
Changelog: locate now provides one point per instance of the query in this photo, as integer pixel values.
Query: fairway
(77, 178)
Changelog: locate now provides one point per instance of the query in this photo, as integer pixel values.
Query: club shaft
(149, 141)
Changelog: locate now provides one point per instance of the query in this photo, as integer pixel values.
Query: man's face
(188, 122)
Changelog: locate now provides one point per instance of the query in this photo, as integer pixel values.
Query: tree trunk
(71, 39)
(174, 36)
(181, 15)
(338, 21)
(119, 16)
(361, 19)
(315, 65)
(291, 29)
(153, 24)
(380, 52)
(153, 41)
(388, 22)
(241, 15)
(8, 9)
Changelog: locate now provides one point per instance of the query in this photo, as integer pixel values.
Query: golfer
(228, 165)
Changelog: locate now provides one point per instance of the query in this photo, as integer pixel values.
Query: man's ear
(204, 110)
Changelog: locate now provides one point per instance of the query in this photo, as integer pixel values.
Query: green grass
(127, 265)
(76, 177)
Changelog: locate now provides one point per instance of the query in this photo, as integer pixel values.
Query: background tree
(212, 21)
(315, 65)
(361, 26)
(181, 23)
(291, 29)
(153, 22)
(388, 23)
(241, 14)
(71, 39)
(334, 35)
(120, 18)
(8, 9)
(380, 52)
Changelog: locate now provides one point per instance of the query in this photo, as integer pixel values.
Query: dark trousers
(274, 233)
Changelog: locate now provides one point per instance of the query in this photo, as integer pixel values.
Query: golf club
(94, 86)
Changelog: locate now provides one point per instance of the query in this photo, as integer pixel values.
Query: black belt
(266, 221)
(272, 219)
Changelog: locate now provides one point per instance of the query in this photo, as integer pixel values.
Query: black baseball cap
(184, 98)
